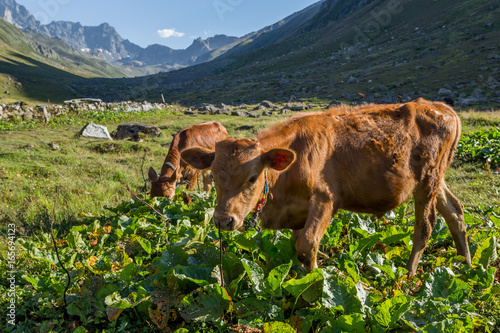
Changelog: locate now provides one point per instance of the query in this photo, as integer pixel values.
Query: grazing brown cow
(175, 171)
(368, 159)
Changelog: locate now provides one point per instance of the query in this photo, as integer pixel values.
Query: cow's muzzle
(224, 221)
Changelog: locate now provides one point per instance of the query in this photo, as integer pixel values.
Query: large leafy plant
(135, 271)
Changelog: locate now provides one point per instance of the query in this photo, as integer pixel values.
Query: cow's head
(238, 171)
(162, 186)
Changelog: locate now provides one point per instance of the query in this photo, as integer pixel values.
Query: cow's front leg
(320, 214)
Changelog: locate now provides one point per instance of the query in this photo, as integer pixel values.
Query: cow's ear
(199, 158)
(279, 159)
(153, 176)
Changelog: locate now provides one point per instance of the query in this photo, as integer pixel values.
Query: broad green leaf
(482, 278)
(75, 241)
(495, 220)
(365, 226)
(446, 326)
(442, 283)
(486, 253)
(347, 265)
(107, 290)
(129, 272)
(277, 327)
(145, 244)
(256, 275)
(364, 245)
(353, 323)
(35, 281)
(197, 274)
(251, 306)
(205, 304)
(391, 310)
(396, 234)
(340, 294)
(276, 277)
(116, 301)
(309, 286)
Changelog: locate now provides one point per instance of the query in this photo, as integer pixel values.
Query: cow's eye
(252, 180)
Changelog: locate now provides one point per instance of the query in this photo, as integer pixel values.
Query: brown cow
(368, 159)
(175, 171)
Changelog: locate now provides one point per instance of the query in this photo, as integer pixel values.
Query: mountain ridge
(103, 41)
(431, 49)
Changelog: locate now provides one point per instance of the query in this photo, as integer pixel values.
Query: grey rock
(352, 79)
(285, 111)
(467, 101)
(133, 130)
(267, 113)
(334, 103)
(267, 104)
(240, 114)
(54, 145)
(260, 108)
(208, 107)
(444, 92)
(95, 132)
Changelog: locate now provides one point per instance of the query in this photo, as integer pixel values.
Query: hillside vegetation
(31, 70)
(407, 48)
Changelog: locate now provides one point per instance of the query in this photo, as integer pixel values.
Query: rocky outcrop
(44, 113)
(135, 130)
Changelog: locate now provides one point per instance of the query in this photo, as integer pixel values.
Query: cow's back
(369, 158)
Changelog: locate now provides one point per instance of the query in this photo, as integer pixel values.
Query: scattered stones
(19, 110)
(240, 114)
(208, 107)
(267, 113)
(54, 146)
(133, 130)
(95, 132)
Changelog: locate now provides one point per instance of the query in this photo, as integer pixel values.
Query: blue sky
(174, 23)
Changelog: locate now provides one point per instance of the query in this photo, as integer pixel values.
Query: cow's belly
(285, 214)
(376, 196)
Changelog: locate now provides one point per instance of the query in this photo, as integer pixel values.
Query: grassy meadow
(84, 174)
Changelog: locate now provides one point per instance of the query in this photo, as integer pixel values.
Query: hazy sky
(174, 23)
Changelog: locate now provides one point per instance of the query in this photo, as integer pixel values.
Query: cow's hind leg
(451, 209)
(207, 181)
(190, 184)
(320, 214)
(425, 220)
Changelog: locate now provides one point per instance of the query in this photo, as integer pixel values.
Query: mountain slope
(381, 49)
(42, 69)
(105, 42)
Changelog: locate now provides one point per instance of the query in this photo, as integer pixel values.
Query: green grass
(84, 174)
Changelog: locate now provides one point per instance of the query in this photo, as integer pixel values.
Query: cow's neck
(173, 157)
